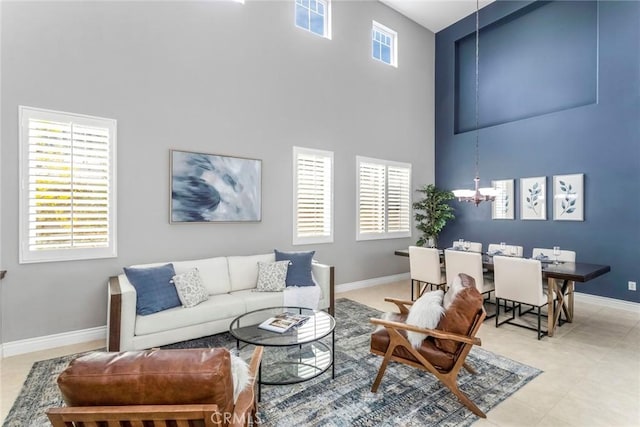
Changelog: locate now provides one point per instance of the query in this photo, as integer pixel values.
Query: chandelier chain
(477, 87)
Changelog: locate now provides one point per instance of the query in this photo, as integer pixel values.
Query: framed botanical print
(533, 198)
(568, 197)
(503, 206)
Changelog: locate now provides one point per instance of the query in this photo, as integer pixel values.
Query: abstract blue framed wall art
(214, 188)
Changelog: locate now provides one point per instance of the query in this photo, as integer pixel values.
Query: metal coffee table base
(297, 355)
(295, 364)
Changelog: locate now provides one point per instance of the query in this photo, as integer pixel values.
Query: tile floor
(591, 367)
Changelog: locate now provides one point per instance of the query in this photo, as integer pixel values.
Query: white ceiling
(435, 14)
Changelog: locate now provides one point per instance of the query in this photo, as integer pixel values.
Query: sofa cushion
(190, 288)
(299, 273)
(272, 276)
(213, 271)
(257, 300)
(243, 270)
(154, 290)
(459, 317)
(150, 377)
(217, 307)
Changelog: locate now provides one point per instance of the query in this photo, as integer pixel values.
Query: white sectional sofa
(229, 280)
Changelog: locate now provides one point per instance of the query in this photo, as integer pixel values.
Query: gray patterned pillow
(272, 276)
(191, 290)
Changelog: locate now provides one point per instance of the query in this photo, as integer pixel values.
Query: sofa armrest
(121, 312)
(325, 276)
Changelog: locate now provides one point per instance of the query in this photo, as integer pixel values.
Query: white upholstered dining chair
(519, 280)
(424, 266)
(469, 263)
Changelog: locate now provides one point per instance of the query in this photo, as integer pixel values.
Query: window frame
(382, 29)
(326, 22)
(307, 240)
(26, 255)
(360, 236)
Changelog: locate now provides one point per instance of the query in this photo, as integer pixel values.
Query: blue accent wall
(540, 116)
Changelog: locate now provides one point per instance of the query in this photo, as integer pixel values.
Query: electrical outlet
(632, 285)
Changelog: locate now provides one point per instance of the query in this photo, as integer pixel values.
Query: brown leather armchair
(188, 387)
(444, 351)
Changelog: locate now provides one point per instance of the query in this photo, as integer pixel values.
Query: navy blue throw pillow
(299, 272)
(153, 288)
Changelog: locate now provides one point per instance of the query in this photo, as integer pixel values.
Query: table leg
(560, 292)
(260, 382)
(551, 288)
(569, 298)
(333, 354)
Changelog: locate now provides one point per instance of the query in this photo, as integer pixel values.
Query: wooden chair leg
(383, 368)
(464, 399)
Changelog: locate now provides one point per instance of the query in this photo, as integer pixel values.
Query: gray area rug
(406, 397)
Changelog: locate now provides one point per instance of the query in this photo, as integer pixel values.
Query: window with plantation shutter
(399, 199)
(384, 199)
(371, 198)
(67, 192)
(312, 196)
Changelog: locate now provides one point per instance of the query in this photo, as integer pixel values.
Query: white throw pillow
(272, 276)
(240, 376)
(453, 290)
(191, 290)
(425, 313)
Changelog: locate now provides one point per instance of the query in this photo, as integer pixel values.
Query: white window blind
(399, 205)
(384, 199)
(68, 186)
(372, 198)
(313, 196)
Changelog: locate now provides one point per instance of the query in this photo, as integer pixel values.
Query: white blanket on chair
(302, 296)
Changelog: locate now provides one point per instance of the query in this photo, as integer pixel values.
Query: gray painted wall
(216, 77)
(600, 139)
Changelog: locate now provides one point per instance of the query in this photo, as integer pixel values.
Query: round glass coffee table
(290, 357)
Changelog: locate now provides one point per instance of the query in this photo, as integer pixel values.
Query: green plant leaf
(432, 212)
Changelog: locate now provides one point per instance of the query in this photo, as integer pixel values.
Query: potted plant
(432, 213)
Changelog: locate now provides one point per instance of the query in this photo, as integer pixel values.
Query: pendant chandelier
(478, 194)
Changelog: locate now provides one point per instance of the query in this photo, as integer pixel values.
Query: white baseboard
(608, 302)
(371, 282)
(29, 345)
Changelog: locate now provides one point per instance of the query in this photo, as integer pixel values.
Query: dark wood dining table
(561, 278)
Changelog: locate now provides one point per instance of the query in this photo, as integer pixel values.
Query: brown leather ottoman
(150, 377)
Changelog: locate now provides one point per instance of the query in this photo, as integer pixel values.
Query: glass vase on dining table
(556, 254)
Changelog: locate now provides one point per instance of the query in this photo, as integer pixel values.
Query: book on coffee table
(283, 322)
